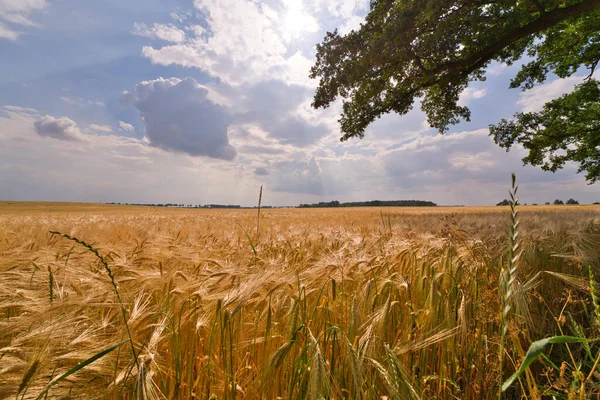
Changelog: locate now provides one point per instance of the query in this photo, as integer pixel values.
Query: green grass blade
(79, 366)
(535, 350)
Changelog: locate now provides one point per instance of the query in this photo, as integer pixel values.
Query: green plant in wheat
(508, 273)
(508, 278)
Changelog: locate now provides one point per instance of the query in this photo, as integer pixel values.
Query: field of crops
(360, 303)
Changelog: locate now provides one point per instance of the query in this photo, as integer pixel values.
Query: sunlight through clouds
(296, 20)
(248, 41)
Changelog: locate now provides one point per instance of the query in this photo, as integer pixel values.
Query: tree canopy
(409, 50)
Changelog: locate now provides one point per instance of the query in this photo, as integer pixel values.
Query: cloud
(124, 126)
(305, 178)
(100, 128)
(274, 107)
(179, 116)
(343, 8)
(251, 140)
(470, 94)
(465, 168)
(261, 171)
(351, 24)
(534, 99)
(6, 33)
(166, 32)
(248, 42)
(472, 162)
(462, 168)
(295, 20)
(17, 13)
(442, 159)
(81, 102)
(108, 168)
(57, 128)
(295, 131)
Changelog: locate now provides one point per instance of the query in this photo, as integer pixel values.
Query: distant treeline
(183, 205)
(372, 203)
(188, 205)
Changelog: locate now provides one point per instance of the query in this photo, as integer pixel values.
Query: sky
(204, 101)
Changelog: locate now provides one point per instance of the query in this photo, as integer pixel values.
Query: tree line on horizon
(178, 205)
(556, 202)
(372, 203)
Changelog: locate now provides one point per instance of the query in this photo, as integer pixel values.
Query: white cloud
(124, 126)
(20, 6)
(180, 17)
(465, 168)
(81, 102)
(297, 69)
(250, 139)
(296, 20)
(58, 128)
(497, 68)
(179, 116)
(108, 168)
(470, 94)
(472, 162)
(351, 24)
(277, 108)
(197, 30)
(248, 42)
(166, 32)
(6, 33)
(343, 8)
(17, 12)
(100, 128)
(534, 99)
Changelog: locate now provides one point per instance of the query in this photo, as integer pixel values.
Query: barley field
(359, 303)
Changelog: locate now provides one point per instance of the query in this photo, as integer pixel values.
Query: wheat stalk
(509, 273)
(112, 280)
(411, 316)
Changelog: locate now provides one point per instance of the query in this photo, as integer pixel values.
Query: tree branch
(545, 21)
(538, 6)
(592, 70)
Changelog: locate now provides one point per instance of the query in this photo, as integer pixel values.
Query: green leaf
(535, 350)
(78, 367)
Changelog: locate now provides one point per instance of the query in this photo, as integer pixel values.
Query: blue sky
(204, 101)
